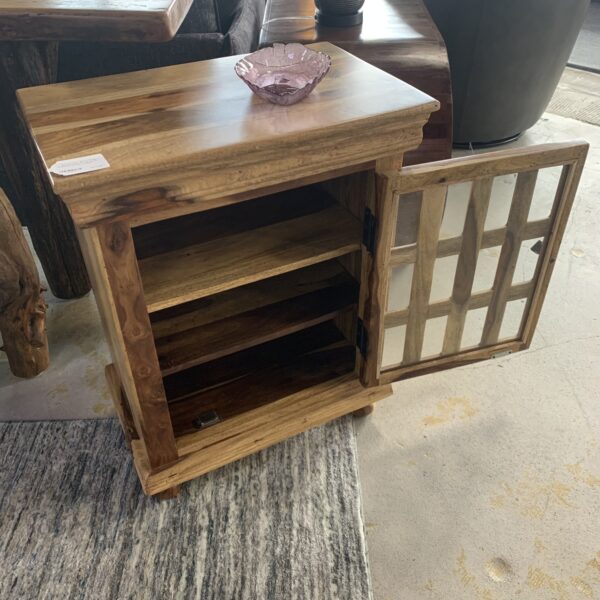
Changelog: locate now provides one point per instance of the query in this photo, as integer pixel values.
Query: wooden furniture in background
(22, 306)
(397, 36)
(29, 34)
(240, 252)
(39, 20)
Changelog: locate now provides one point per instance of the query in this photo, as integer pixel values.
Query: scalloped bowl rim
(244, 66)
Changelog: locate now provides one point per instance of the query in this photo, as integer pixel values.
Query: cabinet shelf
(233, 367)
(207, 329)
(250, 387)
(310, 228)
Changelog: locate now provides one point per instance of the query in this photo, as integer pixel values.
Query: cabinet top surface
(189, 116)
(106, 20)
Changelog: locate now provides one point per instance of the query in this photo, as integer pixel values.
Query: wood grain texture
(121, 405)
(397, 36)
(565, 196)
(296, 382)
(248, 297)
(489, 164)
(509, 254)
(242, 364)
(173, 234)
(291, 185)
(525, 162)
(189, 134)
(466, 356)
(89, 20)
(444, 307)
(22, 305)
(47, 218)
(451, 246)
(383, 204)
(353, 191)
(252, 431)
(251, 327)
(204, 269)
(262, 386)
(430, 219)
(112, 264)
(467, 263)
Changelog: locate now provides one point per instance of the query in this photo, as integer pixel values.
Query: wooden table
(241, 253)
(397, 36)
(29, 34)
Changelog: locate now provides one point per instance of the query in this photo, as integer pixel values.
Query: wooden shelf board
(239, 319)
(207, 268)
(178, 232)
(232, 367)
(262, 386)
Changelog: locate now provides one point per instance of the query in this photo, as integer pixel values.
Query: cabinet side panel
(112, 266)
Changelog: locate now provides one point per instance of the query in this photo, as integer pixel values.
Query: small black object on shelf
(339, 13)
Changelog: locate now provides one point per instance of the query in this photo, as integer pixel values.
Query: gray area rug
(284, 524)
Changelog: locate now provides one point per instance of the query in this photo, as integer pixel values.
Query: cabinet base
(365, 411)
(245, 434)
(170, 493)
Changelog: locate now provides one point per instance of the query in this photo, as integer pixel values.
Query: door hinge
(362, 337)
(369, 230)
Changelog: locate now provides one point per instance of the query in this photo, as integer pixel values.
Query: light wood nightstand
(240, 252)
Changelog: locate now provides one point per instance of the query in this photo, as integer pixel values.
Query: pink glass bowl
(284, 73)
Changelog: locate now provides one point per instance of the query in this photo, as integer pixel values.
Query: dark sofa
(211, 29)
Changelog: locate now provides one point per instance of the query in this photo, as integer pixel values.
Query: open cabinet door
(464, 275)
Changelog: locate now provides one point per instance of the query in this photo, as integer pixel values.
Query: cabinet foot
(169, 494)
(365, 411)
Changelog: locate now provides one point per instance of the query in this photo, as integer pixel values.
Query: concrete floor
(586, 53)
(483, 482)
(74, 386)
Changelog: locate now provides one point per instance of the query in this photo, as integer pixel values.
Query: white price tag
(83, 164)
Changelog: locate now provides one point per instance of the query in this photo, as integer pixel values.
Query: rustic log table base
(22, 306)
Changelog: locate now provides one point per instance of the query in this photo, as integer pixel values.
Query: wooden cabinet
(231, 328)
(241, 253)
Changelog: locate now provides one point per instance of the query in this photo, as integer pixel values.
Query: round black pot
(339, 13)
(506, 58)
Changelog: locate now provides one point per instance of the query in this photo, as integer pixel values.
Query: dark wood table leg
(24, 64)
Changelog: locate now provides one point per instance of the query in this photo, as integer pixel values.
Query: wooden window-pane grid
(467, 263)
(517, 219)
(423, 253)
(430, 219)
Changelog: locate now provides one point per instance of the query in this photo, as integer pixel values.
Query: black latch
(206, 420)
(369, 230)
(362, 337)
